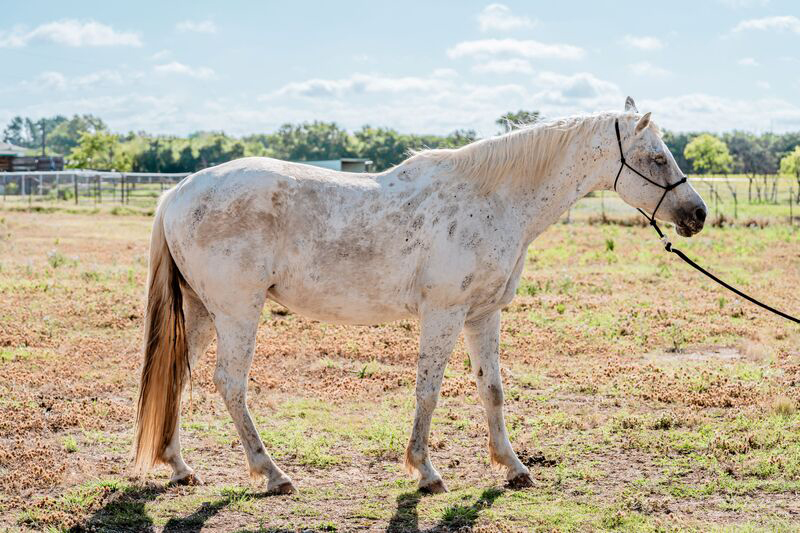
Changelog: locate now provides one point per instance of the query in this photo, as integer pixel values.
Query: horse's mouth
(687, 230)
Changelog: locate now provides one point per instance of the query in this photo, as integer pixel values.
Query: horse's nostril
(700, 214)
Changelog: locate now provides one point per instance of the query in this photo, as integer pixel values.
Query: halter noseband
(666, 188)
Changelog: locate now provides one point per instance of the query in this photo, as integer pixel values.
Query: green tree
(512, 121)
(676, 143)
(312, 141)
(708, 154)
(14, 132)
(66, 135)
(99, 151)
(790, 165)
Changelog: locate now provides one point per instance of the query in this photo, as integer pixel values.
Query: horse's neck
(586, 166)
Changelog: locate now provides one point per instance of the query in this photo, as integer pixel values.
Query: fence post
(5, 186)
(602, 205)
(791, 218)
(75, 185)
(30, 191)
(100, 189)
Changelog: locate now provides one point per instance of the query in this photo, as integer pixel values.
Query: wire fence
(735, 199)
(139, 189)
(738, 199)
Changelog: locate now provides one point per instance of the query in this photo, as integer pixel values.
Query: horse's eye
(660, 159)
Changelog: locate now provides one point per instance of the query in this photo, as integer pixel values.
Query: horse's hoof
(520, 481)
(284, 488)
(437, 487)
(189, 480)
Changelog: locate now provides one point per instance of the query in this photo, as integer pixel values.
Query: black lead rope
(668, 245)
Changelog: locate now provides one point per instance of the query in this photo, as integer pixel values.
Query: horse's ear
(630, 105)
(643, 123)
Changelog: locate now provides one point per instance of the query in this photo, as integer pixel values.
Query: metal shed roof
(11, 150)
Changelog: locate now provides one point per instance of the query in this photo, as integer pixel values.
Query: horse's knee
(228, 386)
(220, 379)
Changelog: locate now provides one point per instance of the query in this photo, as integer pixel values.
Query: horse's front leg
(439, 332)
(483, 340)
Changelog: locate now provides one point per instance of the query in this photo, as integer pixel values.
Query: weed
(239, 499)
(90, 275)
(56, 259)
(784, 406)
(70, 444)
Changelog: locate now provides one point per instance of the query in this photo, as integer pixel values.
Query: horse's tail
(166, 354)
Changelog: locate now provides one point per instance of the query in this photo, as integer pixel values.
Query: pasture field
(643, 397)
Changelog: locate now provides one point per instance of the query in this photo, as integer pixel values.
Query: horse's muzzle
(691, 221)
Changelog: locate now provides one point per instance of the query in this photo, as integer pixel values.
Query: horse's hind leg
(483, 339)
(199, 333)
(235, 345)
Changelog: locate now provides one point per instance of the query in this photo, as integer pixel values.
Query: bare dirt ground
(642, 396)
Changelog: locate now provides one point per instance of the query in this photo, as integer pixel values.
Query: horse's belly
(353, 307)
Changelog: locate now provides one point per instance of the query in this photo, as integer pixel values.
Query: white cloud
(499, 17)
(643, 42)
(696, 112)
(527, 48)
(174, 67)
(69, 32)
(761, 84)
(782, 23)
(648, 70)
(513, 65)
(53, 80)
(160, 55)
(582, 90)
(197, 26)
(437, 104)
(748, 62)
(363, 83)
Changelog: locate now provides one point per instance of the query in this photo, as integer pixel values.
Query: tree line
(87, 142)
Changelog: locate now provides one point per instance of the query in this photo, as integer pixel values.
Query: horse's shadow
(125, 511)
(406, 517)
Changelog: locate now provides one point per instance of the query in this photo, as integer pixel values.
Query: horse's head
(645, 152)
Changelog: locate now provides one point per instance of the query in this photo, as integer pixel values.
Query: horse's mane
(521, 156)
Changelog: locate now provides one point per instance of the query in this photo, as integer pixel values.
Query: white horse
(442, 237)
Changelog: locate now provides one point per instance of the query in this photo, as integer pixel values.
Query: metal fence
(731, 199)
(87, 186)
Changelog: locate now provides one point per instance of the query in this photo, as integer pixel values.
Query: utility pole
(43, 138)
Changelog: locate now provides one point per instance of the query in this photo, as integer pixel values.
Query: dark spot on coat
(480, 372)
(451, 229)
(496, 394)
(198, 213)
(465, 282)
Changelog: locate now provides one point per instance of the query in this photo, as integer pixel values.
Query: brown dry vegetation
(642, 396)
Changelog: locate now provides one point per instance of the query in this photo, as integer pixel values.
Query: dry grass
(641, 395)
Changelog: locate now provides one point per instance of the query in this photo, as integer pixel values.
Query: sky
(416, 66)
